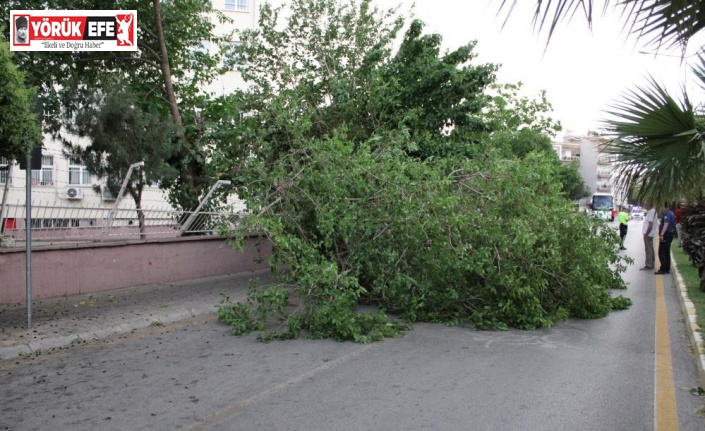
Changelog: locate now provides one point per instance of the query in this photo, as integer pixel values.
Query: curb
(151, 306)
(11, 352)
(696, 339)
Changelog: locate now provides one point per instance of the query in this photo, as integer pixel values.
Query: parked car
(637, 214)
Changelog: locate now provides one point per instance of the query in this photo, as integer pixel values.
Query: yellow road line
(666, 414)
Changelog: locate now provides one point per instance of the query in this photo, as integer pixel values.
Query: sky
(583, 71)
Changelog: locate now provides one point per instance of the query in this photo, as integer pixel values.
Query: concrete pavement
(61, 322)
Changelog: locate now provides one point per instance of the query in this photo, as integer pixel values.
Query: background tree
(122, 134)
(19, 129)
(378, 178)
(517, 126)
(573, 185)
(447, 99)
(331, 68)
(168, 81)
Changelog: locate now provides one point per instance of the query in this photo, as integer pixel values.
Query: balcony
(606, 160)
(604, 187)
(604, 173)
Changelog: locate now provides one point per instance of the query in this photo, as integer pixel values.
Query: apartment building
(568, 150)
(65, 183)
(596, 168)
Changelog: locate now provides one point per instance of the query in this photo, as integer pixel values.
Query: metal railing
(56, 222)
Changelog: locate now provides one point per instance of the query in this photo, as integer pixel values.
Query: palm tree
(658, 139)
(660, 144)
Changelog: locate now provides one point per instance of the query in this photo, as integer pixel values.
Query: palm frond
(698, 70)
(666, 23)
(548, 13)
(660, 23)
(659, 143)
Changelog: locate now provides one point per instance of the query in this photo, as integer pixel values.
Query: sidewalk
(60, 322)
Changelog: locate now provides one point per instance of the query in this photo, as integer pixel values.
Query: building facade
(65, 183)
(596, 168)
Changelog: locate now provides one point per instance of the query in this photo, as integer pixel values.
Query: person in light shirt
(648, 230)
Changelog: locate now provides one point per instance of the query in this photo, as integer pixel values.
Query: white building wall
(58, 174)
(588, 164)
(596, 169)
(49, 188)
(243, 14)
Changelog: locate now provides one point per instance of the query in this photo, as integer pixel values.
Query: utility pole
(33, 161)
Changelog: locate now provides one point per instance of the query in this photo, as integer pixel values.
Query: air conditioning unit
(74, 193)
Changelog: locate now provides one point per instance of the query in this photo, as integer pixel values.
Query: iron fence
(56, 222)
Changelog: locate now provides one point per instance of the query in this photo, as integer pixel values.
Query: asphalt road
(580, 375)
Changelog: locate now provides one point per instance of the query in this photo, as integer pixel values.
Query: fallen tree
(452, 241)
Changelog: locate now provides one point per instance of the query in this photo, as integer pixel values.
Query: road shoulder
(696, 339)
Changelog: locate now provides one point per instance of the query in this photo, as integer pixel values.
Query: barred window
(4, 170)
(45, 175)
(241, 5)
(50, 223)
(78, 173)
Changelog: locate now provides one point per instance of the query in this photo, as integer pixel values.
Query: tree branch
(149, 49)
(137, 59)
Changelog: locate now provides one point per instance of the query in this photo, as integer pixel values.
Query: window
(203, 47)
(83, 222)
(78, 173)
(45, 175)
(240, 5)
(4, 166)
(231, 57)
(42, 223)
(60, 223)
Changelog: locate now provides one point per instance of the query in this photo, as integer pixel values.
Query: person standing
(665, 237)
(648, 229)
(623, 218)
